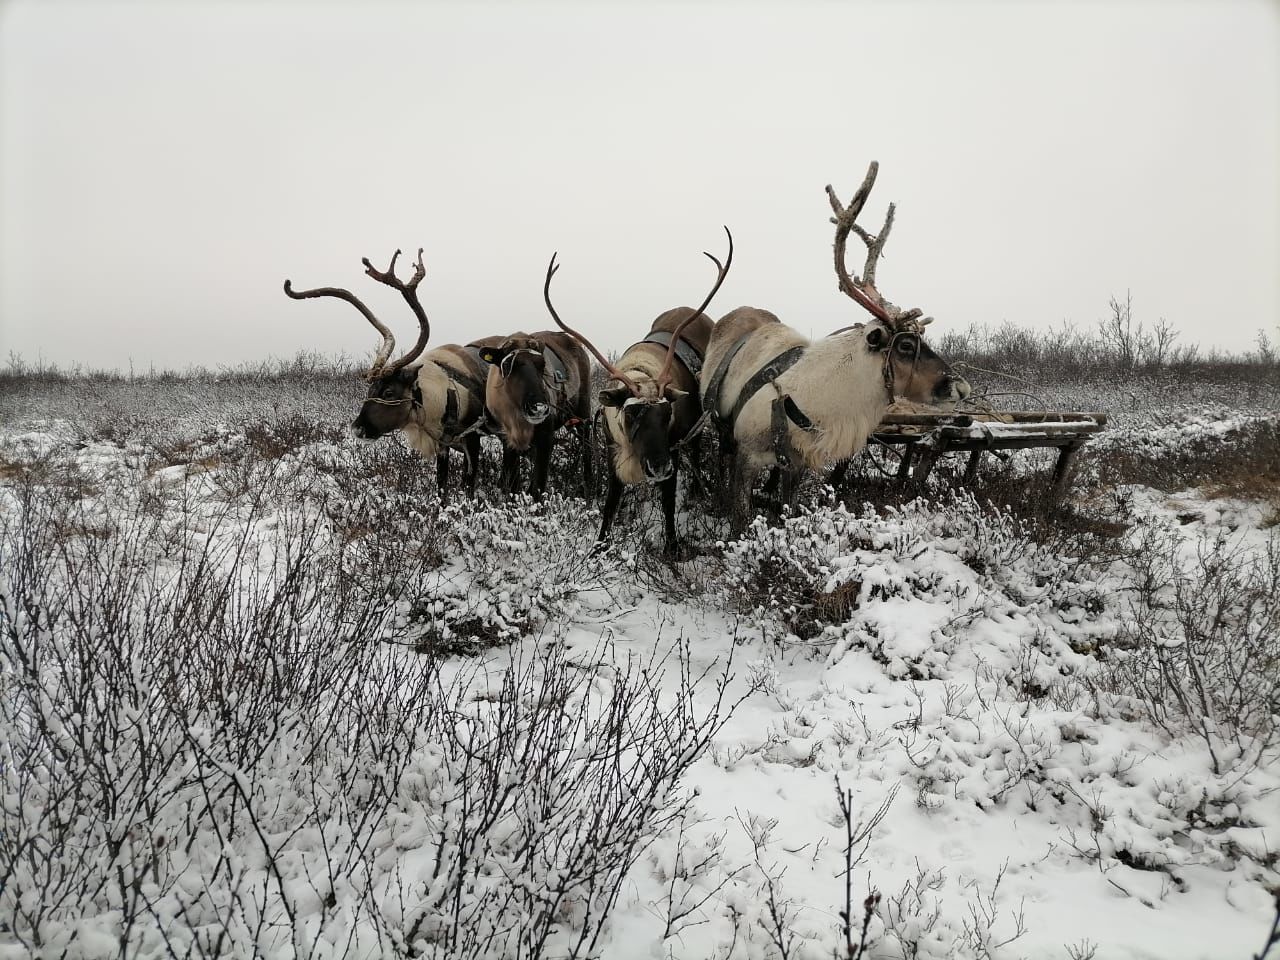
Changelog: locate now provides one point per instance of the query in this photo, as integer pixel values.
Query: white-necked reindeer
(781, 399)
(435, 399)
(651, 402)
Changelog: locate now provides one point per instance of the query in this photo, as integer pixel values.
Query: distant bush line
(305, 365)
(1118, 345)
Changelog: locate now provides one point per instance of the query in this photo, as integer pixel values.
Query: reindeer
(782, 400)
(536, 384)
(654, 408)
(437, 402)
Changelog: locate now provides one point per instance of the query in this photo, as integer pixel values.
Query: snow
(938, 664)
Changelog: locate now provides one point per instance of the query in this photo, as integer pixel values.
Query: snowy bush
(845, 578)
(232, 721)
(514, 566)
(1200, 643)
(209, 748)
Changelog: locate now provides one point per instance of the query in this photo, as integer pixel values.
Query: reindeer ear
(614, 396)
(877, 337)
(492, 355)
(672, 394)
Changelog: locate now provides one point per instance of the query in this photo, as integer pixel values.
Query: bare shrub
(1273, 935)
(825, 567)
(857, 840)
(513, 567)
(911, 916)
(164, 693)
(1200, 647)
(209, 749)
(274, 437)
(1243, 461)
(1120, 334)
(1070, 356)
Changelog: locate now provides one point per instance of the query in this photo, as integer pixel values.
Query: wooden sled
(925, 436)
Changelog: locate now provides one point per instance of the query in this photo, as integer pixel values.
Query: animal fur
(568, 400)
(531, 377)
(839, 383)
(642, 363)
(424, 430)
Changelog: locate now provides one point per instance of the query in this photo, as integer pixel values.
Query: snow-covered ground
(1021, 811)
(970, 693)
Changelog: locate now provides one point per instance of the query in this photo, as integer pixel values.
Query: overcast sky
(163, 167)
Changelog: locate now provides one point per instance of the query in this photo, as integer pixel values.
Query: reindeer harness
(452, 429)
(686, 352)
(783, 408)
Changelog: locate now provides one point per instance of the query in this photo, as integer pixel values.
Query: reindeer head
(911, 369)
(644, 425)
(640, 412)
(516, 391)
(389, 403)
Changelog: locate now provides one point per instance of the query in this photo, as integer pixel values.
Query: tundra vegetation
(262, 693)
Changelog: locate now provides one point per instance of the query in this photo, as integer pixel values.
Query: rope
(1008, 376)
(1044, 407)
(876, 463)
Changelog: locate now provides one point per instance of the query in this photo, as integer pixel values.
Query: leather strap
(796, 415)
(766, 374)
(555, 365)
(452, 429)
(711, 395)
(474, 387)
(686, 352)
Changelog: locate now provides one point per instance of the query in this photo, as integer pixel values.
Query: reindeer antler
(664, 376)
(410, 293)
(863, 290)
(388, 341)
(613, 371)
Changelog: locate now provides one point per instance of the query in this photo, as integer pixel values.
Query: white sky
(163, 167)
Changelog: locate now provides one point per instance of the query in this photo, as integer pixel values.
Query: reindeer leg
(790, 484)
(442, 474)
(743, 478)
(542, 441)
(586, 437)
(510, 470)
(473, 463)
(668, 490)
(770, 488)
(773, 495)
(727, 451)
(611, 501)
(839, 472)
(694, 454)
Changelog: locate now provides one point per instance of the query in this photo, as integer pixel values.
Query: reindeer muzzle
(537, 412)
(953, 390)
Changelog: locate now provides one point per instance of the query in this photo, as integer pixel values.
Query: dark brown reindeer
(783, 400)
(435, 399)
(536, 384)
(651, 403)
